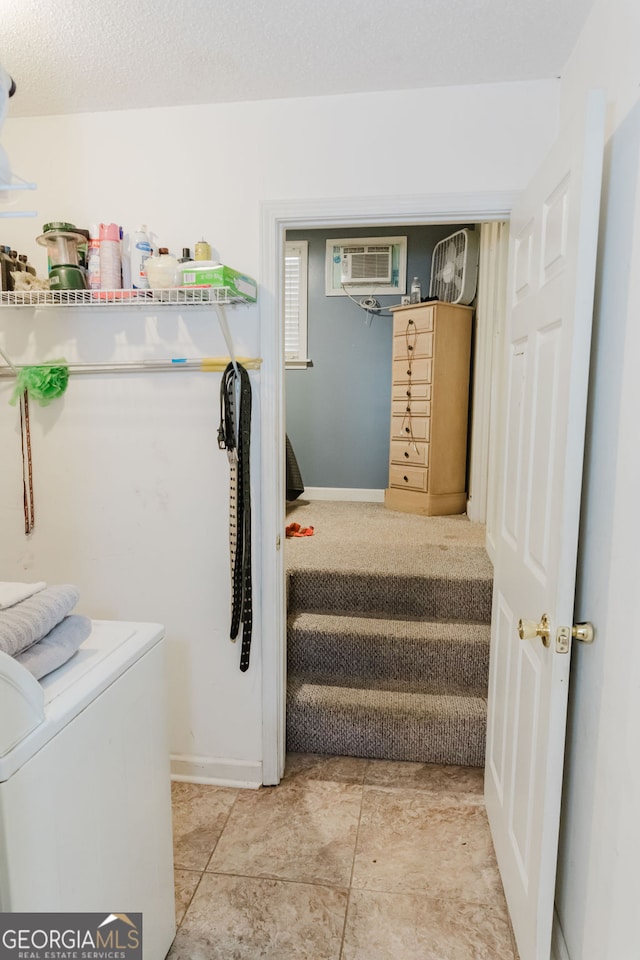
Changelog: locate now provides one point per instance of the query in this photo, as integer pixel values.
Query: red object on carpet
(295, 530)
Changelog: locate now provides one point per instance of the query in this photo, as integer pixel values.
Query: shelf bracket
(17, 183)
(226, 333)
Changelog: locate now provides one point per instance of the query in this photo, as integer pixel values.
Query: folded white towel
(31, 619)
(57, 647)
(11, 593)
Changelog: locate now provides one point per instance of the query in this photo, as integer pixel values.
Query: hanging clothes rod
(202, 364)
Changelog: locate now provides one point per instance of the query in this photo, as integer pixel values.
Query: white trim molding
(347, 494)
(362, 211)
(218, 772)
(278, 216)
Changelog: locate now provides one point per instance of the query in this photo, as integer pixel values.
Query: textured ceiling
(72, 56)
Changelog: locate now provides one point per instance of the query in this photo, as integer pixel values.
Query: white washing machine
(85, 794)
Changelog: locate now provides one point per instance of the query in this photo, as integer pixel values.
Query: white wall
(597, 887)
(131, 491)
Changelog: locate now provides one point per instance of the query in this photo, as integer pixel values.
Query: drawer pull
(408, 393)
(406, 479)
(409, 347)
(409, 372)
(406, 454)
(407, 429)
(410, 324)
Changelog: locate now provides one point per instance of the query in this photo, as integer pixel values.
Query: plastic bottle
(110, 263)
(203, 250)
(140, 249)
(416, 291)
(93, 258)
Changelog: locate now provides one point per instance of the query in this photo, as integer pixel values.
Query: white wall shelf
(175, 296)
(216, 297)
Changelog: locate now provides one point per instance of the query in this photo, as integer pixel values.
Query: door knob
(583, 632)
(580, 631)
(529, 629)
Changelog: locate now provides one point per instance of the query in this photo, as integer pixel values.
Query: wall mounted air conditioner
(366, 263)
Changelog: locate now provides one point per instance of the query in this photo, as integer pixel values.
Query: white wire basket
(174, 296)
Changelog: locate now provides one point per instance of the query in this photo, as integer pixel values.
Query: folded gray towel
(57, 647)
(32, 619)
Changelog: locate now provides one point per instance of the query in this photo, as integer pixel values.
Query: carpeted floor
(388, 634)
(367, 537)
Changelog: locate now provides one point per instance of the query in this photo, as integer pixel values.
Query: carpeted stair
(388, 647)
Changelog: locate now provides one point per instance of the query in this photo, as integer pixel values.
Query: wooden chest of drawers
(429, 409)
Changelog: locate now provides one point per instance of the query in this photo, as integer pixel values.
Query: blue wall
(338, 410)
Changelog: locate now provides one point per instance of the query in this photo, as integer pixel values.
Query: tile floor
(346, 859)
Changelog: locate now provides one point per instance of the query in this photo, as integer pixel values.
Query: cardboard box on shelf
(198, 274)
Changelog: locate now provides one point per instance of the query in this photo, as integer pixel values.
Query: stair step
(449, 653)
(390, 595)
(395, 720)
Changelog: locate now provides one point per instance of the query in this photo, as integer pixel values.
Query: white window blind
(295, 302)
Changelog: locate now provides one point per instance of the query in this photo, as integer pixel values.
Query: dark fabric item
(295, 486)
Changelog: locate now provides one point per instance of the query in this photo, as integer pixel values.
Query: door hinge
(278, 542)
(581, 631)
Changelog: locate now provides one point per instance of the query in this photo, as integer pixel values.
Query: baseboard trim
(559, 950)
(343, 493)
(217, 772)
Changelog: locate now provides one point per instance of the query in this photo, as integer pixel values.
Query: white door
(547, 345)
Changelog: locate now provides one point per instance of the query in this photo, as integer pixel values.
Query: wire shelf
(174, 296)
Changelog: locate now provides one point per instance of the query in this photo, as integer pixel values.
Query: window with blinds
(296, 254)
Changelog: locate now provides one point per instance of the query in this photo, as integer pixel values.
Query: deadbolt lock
(529, 629)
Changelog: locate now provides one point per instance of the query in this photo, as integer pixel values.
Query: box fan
(454, 267)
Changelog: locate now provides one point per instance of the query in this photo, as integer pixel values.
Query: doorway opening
(338, 399)
(382, 662)
(336, 216)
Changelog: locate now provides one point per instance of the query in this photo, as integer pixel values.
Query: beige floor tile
(185, 883)
(389, 926)
(199, 814)
(409, 842)
(301, 831)
(463, 783)
(313, 766)
(244, 918)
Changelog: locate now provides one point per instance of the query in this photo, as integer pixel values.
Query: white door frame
(277, 217)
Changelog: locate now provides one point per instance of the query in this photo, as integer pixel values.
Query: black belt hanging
(234, 435)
